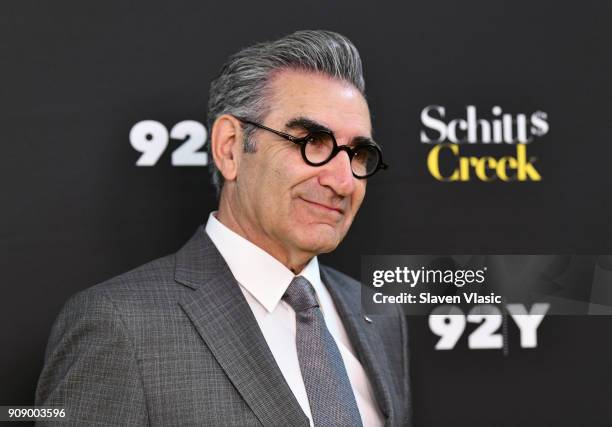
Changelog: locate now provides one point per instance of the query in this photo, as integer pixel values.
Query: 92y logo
(449, 322)
(151, 138)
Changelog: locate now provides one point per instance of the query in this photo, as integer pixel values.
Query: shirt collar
(262, 275)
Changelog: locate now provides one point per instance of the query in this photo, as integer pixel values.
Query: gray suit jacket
(174, 342)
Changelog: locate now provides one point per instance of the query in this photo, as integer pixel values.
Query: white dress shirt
(263, 281)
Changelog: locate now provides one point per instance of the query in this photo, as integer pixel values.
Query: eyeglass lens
(320, 146)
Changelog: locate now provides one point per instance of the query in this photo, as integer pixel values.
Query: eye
(319, 147)
(365, 160)
(362, 154)
(317, 139)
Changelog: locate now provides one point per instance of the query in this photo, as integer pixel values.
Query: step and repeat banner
(494, 117)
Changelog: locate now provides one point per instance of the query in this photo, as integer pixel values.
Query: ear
(226, 145)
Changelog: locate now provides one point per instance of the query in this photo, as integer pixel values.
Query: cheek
(275, 195)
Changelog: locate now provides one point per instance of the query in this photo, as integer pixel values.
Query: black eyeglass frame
(302, 141)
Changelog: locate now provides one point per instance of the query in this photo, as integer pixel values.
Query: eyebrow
(306, 124)
(313, 126)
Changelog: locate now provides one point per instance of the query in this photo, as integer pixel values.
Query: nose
(337, 174)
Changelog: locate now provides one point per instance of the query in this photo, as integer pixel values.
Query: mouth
(325, 207)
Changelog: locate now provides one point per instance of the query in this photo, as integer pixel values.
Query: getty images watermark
(565, 284)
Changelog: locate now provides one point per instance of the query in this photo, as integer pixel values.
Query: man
(242, 326)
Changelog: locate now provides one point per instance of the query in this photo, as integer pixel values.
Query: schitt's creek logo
(453, 134)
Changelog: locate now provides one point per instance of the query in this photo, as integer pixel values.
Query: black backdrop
(76, 210)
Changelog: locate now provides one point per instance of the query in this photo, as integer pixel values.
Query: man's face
(300, 208)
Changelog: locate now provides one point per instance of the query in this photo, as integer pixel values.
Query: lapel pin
(368, 319)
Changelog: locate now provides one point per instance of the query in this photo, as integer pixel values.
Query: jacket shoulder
(154, 277)
(133, 295)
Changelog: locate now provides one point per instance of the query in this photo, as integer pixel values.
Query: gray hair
(240, 87)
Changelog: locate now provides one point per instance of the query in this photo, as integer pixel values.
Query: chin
(319, 241)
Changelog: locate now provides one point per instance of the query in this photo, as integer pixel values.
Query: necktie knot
(300, 294)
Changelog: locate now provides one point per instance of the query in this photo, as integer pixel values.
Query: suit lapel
(227, 325)
(365, 340)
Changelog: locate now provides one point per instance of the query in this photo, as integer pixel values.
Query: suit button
(368, 319)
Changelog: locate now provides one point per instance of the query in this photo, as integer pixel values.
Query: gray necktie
(331, 398)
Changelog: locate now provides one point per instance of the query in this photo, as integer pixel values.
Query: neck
(293, 260)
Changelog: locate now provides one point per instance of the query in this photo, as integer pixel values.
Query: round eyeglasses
(319, 147)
